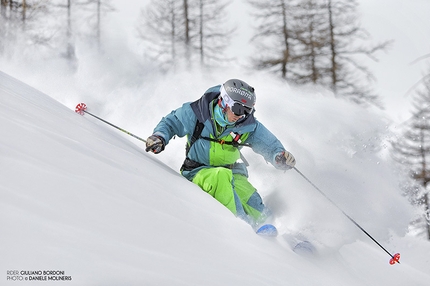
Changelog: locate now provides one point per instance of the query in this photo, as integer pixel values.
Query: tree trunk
(98, 23)
(286, 54)
(70, 53)
(427, 213)
(201, 36)
(24, 11)
(187, 32)
(333, 67)
(3, 7)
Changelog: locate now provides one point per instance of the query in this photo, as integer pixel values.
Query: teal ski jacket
(214, 147)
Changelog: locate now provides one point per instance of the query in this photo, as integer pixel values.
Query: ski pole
(81, 108)
(394, 258)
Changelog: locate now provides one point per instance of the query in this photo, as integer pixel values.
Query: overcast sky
(405, 22)
(408, 23)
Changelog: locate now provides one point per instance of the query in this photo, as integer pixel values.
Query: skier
(217, 126)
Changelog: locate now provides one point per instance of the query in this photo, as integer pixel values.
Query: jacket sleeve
(179, 122)
(265, 143)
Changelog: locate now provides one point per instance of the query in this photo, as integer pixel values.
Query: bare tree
(20, 23)
(347, 42)
(158, 28)
(76, 19)
(186, 25)
(70, 52)
(212, 34)
(63, 28)
(412, 149)
(185, 31)
(310, 29)
(3, 24)
(273, 35)
(317, 42)
(92, 11)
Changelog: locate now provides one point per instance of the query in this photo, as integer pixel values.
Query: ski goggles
(239, 109)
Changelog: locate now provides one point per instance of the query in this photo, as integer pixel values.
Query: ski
(267, 230)
(299, 244)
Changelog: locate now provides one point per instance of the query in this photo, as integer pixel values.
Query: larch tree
(159, 29)
(349, 42)
(316, 42)
(92, 11)
(310, 31)
(212, 34)
(273, 37)
(21, 24)
(184, 31)
(412, 150)
(70, 50)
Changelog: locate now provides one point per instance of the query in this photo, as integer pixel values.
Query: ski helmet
(241, 94)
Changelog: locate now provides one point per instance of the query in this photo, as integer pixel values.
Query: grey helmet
(241, 93)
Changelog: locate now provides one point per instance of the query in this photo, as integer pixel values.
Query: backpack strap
(196, 135)
(198, 131)
(236, 141)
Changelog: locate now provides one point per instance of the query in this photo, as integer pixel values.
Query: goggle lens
(240, 109)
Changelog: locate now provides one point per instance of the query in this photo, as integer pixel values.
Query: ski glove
(155, 144)
(285, 160)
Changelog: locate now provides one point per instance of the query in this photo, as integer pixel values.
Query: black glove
(155, 144)
(285, 160)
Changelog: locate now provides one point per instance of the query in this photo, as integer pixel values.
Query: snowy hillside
(84, 200)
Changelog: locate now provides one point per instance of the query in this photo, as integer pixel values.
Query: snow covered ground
(85, 200)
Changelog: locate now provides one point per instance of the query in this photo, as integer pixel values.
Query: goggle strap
(224, 109)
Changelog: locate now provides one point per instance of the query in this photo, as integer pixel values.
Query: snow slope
(84, 199)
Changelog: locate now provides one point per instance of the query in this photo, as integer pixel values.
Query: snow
(80, 197)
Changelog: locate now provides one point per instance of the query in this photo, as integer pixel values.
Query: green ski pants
(232, 190)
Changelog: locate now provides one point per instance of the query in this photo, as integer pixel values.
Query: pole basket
(395, 259)
(80, 108)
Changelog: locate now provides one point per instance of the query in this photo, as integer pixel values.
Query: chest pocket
(225, 151)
